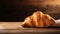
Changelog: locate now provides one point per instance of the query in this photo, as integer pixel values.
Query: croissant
(38, 19)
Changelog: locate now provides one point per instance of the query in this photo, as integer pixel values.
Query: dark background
(18, 10)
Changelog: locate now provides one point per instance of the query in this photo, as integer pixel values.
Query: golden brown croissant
(38, 19)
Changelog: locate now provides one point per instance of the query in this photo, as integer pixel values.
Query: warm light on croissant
(38, 19)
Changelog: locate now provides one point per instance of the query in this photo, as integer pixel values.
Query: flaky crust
(38, 19)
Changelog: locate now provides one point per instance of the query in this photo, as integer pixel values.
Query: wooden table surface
(33, 30)
(28, 30)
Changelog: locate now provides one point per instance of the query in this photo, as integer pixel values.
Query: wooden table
(27, 30)
(32, 31)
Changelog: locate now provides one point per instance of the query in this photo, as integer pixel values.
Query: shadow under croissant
(42, 27)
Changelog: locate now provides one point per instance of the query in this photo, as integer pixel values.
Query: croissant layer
(38, 19)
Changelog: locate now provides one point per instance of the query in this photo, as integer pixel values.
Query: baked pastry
(38, 19)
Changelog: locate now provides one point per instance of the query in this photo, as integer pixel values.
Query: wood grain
(10, 25)
(14, 27)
